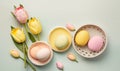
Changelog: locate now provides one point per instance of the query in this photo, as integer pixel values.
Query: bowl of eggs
(40, 53)
(89, 41)
(60, 39)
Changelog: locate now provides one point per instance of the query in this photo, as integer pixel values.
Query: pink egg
(33, 52)
(95, 43)
(40, 53)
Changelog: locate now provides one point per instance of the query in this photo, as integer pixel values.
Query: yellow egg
(82, 38)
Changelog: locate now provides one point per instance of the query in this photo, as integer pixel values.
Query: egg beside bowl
(40, 53)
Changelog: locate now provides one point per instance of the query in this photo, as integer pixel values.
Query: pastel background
(52, 13)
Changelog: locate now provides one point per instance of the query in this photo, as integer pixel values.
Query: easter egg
(61, 42)
(43, 54)
(82, 38)
(95, 43)
(33, 51)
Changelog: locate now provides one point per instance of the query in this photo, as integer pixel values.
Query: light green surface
(105, 13)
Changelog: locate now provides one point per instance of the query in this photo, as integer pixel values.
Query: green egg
(61, 42)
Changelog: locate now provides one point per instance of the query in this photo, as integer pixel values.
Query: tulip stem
(25, 28)
(26, 46)
(76, 61)
(38, 35)
(24, 51)
(25, 57)
(29, 64)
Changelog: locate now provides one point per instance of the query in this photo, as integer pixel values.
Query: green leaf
(12, 28)
(27, 20)
(31, 37)
(21, 5)
(18, 45)
(14, 7)
(13, 15)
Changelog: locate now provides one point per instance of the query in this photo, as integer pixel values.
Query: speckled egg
(95, 43)
(82, 38)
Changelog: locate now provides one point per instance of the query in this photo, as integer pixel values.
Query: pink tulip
(20, 14)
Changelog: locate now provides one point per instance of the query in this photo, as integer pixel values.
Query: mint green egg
(61, 42)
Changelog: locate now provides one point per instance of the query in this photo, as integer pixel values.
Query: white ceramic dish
(93, 30)
(37, 62)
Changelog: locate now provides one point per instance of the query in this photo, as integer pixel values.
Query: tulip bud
(20, 14)
(14, 53)
(18, 35)
(34, 26)
(71, 57)
(59, 65)
(70, 27)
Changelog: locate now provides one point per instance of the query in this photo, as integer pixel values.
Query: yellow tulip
(14, 53)
(18, 35)
(34, 26)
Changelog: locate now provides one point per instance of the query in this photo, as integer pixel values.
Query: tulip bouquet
(19, 35)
